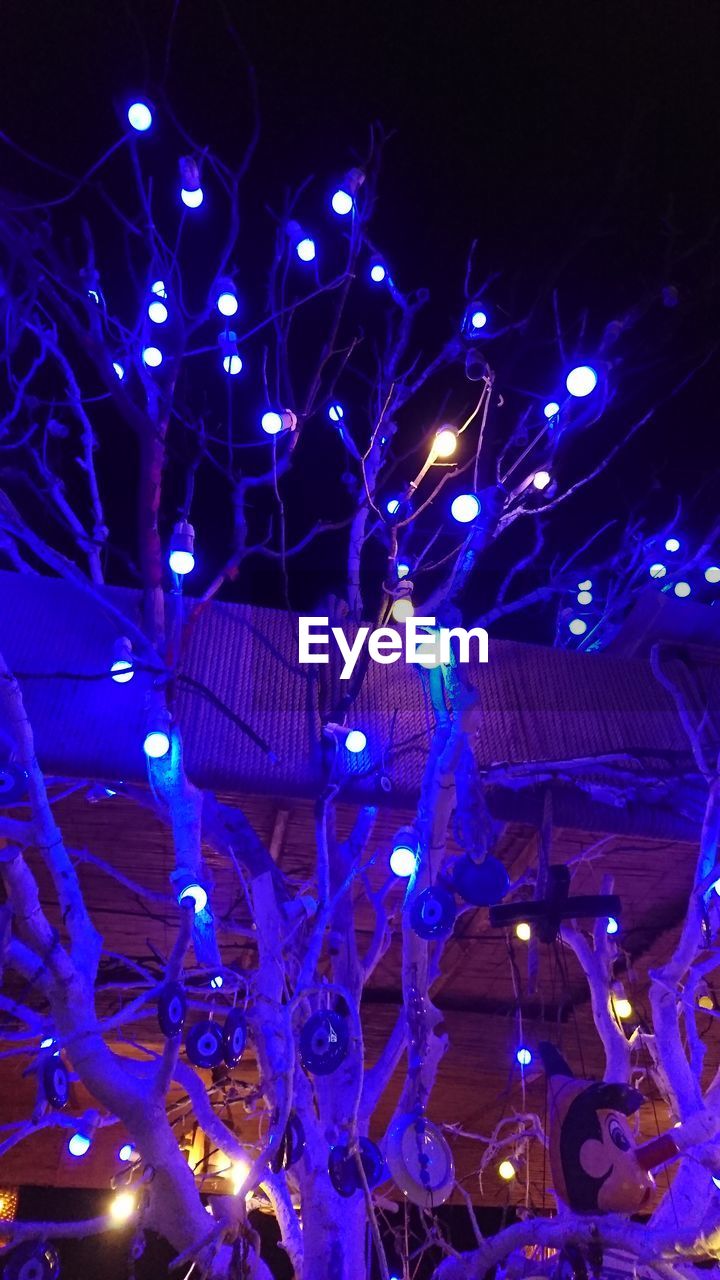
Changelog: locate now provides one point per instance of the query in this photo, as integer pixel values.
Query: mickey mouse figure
(596, 1164)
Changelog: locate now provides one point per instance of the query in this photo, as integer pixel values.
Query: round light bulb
(403, 569)
(672, 544)
(122, 1207)
(271, 423)
(403, 861)
(523, 931)
(478, 319)
(196, 894)
(506, 1169)
(541, 479)
(139, 116)
(705, 1001)
(377, 273)
(336, 412)
(157, 312)
(682, 589)
(657, 570)
(159, 287)
(305, 249)
(152, 357)
(581, 380)
(551, 408)
(156, 744)
(192, 199)
(120, 371)
(712, 573)
(584, 597)
(622, 1007)
(578, 626)
(126, 1152)
(585, 586)
(524, 1056)
(232, 364)
(122, 671)
(445, 442)
(78, 1145)
(355, 741)
(402, 610)
(612, 925)
(465, 508)
(227, 303)
(342, 202)
(216, 982)
(181, 562)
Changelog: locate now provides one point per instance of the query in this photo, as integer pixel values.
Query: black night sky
(518, 123)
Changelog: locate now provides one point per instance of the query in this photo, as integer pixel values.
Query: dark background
(514, 123)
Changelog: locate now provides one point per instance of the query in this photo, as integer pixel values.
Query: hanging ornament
(480, 883)
(55, 1081)
(548, 913)
(432, 914)
(171, 1010)
(32, 1260)
(324, 1042)
(344, 1172)
(420, 1160)
(204, 1044)
(292, 1144)
(234, 1035)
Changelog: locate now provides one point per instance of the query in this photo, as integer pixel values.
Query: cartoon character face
(623, 1185)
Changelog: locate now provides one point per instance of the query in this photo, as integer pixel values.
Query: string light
(445, 442)
(465, 508)
(157, 736)
(657, 570)
(192, 199)
(378, 272)
(152, 357)
(403, 858)
(541, 479)
(195, 893)
(273, 422)
(120, 371)
(523, 931)
(581, 381)
(232, 364)
(122, 669)
(305, 249)
(712, 573)
(551, 409)
(157, 311)
(478, 319)
(507, 1170)
(78, 1145)
(342, 202)
(682, 589)
(123, 1207)
(672, 544)
(231, 359)
(578, 626)
(226, 301)
(355, 742)
(584, 597)
(336, 412)
(402, 609)
(524, 1056)
(182, 554)
(140, 116)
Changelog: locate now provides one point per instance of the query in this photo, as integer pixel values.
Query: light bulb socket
(183, 537)
(189, 173)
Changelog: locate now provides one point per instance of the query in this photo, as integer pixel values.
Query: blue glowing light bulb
(403, 569)
(712, 573)
(192, 199)
(478, 319)
(271, 423)
(672, 544)
(196, 894)
(232, 364)
(342, 202)
(378, 272)
(152, 357)
(612, 925)
(156, 744)
(216, 982)
(126, 1152)
(119, 370)
(227, 303)
(305, 249)
(157, 312)
(355, 741)
(581, 380)
(465, 508)
(78, 1144)
(551, 408)
(336, 412)
(139, 116)
(392, 506)
(682, 589)
(657, 570)
(524, 1056)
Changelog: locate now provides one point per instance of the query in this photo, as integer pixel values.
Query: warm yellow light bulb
(507, 1170)
(706, 1002)
(402, 609)
(523, 931)
(122, 1207)
(445, 442)
(239, 1173)
(622, 1007)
